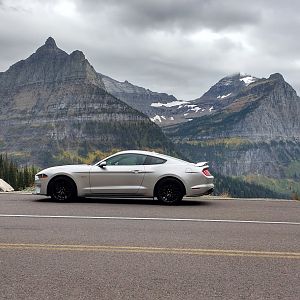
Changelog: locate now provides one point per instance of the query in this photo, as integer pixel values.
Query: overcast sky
(181, 47)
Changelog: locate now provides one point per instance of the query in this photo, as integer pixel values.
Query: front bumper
(40, 186)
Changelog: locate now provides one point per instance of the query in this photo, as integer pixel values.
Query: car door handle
(136, 171)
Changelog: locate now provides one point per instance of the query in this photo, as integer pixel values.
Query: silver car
(127, 174)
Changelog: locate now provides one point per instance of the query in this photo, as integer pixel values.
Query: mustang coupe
(127, 174)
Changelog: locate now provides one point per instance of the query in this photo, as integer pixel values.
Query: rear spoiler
(201, 164)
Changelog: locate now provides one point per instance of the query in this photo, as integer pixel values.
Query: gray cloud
(176, 14)
(178, 47)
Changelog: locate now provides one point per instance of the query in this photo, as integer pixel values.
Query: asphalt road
(137, 249)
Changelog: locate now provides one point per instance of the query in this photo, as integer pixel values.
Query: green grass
(287, 187)
(224, 142)
(293, 170)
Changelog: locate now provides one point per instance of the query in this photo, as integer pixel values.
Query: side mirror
(102, 164)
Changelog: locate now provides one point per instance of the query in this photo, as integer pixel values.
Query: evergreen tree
(18, 177)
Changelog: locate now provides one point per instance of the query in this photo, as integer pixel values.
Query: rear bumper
(209, 191)
(200, 190)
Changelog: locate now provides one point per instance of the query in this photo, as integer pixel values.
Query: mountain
(265, 110)
(53, 102)
(166, 110)
(161, 108)
(254, 130)
(224, 91)
(135, 96)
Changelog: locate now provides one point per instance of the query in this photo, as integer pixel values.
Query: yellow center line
(150, 250)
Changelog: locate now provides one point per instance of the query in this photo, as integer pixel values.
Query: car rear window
(151, 160)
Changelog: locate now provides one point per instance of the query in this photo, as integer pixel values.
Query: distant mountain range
(53, 103)
(165, 110)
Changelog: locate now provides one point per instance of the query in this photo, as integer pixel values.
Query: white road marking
(148, 219)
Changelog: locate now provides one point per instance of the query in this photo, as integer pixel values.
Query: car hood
(66, 169)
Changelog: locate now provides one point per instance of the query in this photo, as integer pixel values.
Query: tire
(62, 189)
(169, 192)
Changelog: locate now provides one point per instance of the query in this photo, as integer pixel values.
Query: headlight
(42, 176)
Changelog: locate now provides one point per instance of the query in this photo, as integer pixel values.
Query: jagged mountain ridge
(256, 131)
(166, 110)
(135, 96)
(163, 109)
(50, 64)
(263, 110)
(53, 101)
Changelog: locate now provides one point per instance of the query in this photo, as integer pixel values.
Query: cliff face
(275, 114)
(53, 101)
(256, 131)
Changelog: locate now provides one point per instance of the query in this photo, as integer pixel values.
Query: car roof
(141, 152)
(153, 153)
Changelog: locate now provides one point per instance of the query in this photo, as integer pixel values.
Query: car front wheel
(169, 192)
(62, 189)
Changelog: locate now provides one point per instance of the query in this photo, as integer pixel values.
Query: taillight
(206, 172)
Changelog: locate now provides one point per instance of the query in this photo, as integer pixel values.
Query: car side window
(129, 159)
(151, 160)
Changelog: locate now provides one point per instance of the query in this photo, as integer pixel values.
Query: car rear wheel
(62, 189)
(169, 192)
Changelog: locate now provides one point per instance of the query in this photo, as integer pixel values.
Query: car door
(123, 174)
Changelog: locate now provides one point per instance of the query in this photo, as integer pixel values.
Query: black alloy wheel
(62, 189)
(169, 192)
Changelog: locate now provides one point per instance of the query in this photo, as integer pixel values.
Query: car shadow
(138, 201)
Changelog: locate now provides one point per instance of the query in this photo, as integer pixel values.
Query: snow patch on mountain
(170, 104)
(224, 96)
(160, 119)
(156, 118)
(248, 80)
(196, 109)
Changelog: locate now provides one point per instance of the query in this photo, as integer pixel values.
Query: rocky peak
(274, 85)
(50, 43)
(276, 76)
(77, 55)
(229, 85)
(48, 49)
(50, 64)
(223, 92)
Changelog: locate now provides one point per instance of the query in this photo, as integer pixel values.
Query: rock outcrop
(5, 187)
